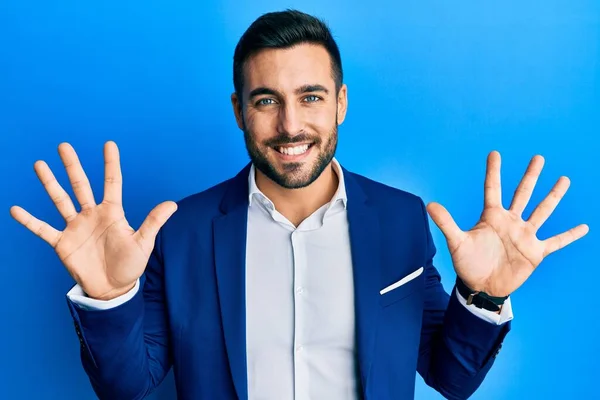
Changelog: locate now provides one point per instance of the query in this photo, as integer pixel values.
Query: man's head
(289, 97)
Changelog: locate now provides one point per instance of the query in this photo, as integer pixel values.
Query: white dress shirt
(300, 335)
(300, 332)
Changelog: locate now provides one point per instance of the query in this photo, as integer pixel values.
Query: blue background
(433, 87)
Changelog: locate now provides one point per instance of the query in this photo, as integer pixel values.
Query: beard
(295, 174)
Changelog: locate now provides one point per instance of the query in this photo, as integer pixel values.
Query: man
(295, 279)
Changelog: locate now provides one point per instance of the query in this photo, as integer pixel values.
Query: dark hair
(280, 30)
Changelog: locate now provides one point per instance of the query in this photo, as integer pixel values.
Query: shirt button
(299, 349)
(300, 290)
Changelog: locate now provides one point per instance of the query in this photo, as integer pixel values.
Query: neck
(298, 204)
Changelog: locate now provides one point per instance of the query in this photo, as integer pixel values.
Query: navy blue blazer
(190, 314)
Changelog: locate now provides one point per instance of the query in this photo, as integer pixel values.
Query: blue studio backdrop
(433, 87)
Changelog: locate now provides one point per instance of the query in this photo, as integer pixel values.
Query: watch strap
(479, 299)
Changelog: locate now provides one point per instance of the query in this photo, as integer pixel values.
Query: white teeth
(293, 151)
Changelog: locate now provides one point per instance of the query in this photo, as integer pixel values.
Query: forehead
(288, 69)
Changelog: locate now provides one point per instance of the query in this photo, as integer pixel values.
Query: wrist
(112, 294)
(478, 298)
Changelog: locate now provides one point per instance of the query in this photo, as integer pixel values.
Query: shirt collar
(340, 194)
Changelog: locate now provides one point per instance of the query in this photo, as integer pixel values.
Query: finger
(113, 180)
(59, 197)
(40, 228)
(527, 184)
(492, 190)
(153, 222)
(564, 239)
(77, 177)
(543, 211)
(442, 218)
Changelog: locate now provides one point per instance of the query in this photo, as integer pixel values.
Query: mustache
(283, 139)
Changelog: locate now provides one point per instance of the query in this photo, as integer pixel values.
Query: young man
(296, 279)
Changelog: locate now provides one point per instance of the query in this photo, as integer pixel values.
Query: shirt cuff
(77, 296)
(505, 315)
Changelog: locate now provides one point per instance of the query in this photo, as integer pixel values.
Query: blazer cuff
(474, 340)
(95, 328)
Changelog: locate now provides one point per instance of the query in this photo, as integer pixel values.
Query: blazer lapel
(230, 260)
(366, 259)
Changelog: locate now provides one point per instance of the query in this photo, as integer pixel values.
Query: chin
(297, 175)
(294, 175)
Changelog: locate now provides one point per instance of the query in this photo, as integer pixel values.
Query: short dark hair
(281, 30)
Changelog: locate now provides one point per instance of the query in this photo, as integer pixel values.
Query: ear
(237, 110)
(342, 103)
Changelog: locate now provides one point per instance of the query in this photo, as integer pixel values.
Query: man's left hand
(501, 251)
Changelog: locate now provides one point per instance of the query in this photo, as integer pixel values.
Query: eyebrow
(311, 88)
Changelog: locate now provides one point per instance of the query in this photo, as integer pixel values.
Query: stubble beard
(293, 176)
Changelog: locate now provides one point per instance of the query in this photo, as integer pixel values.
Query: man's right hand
(100, 250)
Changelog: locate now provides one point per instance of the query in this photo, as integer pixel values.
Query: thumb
(154, 221)
(442, 218)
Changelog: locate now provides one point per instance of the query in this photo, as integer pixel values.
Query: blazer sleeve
(457, 348)
(125, 350)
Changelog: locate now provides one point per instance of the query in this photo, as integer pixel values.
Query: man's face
(290, 113)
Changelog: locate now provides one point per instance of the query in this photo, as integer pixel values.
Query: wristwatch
(479, 299)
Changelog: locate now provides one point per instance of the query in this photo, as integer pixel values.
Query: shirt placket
(300, 350)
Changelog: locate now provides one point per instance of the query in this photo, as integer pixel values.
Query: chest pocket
(413, 283)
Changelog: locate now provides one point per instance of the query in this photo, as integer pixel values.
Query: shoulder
(196, 211)
(383, 195)
(207, 200)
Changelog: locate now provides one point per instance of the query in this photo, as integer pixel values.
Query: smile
(294, 151)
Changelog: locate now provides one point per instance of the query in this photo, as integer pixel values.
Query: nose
(290, 120)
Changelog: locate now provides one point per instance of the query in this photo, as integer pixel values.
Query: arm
(457, 347)
(495, 257)
(125, 349)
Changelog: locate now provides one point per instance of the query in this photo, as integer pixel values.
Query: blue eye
(264, 102)
(312, 98)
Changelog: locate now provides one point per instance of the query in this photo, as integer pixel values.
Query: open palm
(502, 250)
(100, 250)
